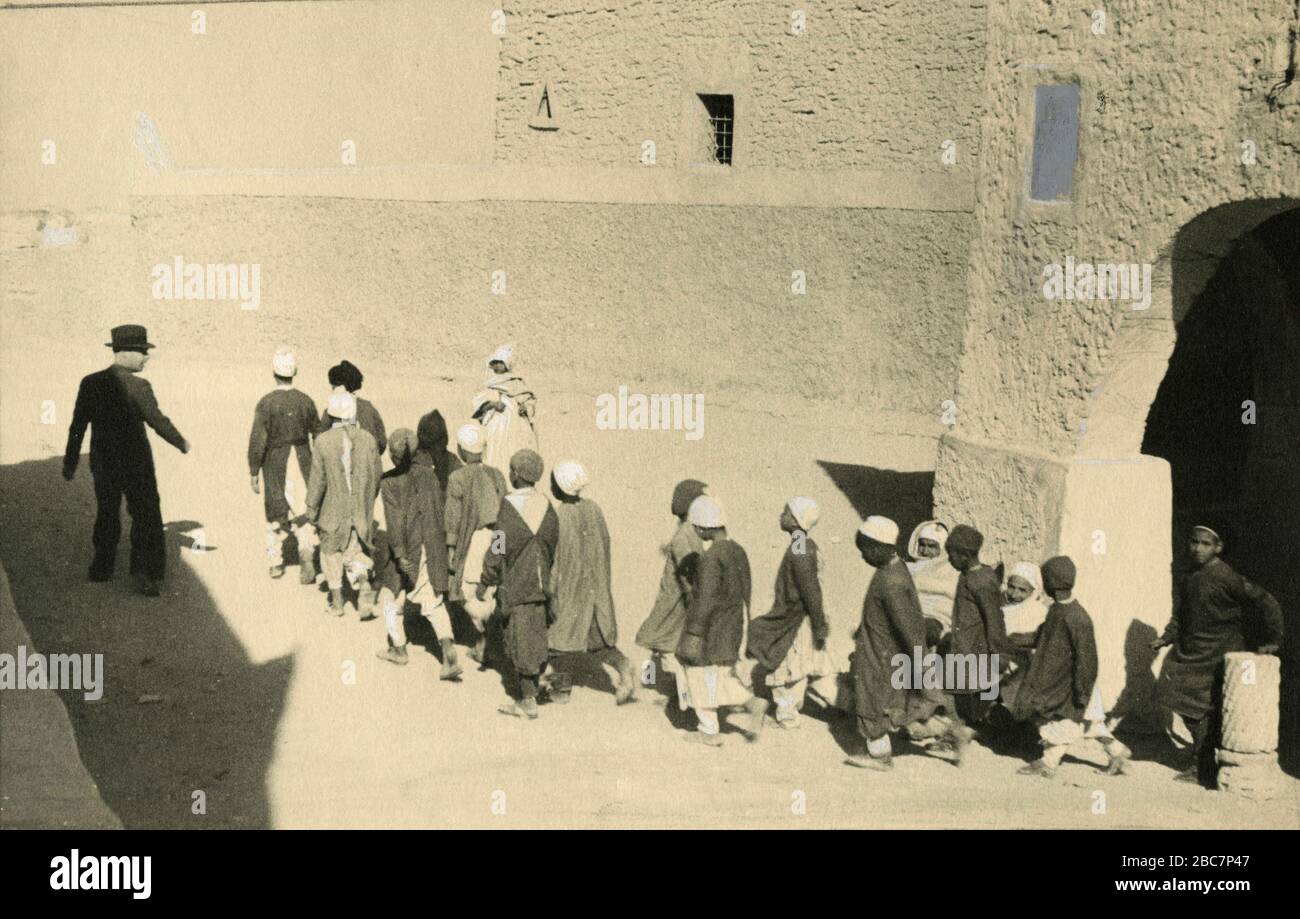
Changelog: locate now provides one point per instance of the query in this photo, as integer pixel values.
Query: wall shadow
(214, 728)
(907, 498)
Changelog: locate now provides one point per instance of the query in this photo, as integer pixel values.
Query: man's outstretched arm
(143, 398)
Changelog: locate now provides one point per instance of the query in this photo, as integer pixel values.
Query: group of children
(465, 533)
(944, 600)
(697, 630)
(474, 532)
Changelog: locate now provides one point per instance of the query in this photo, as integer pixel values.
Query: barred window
(721, 110)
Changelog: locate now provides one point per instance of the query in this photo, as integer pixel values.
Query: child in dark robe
(518, 565)
(662, 630)
(581, 590)
(413, 523)
(1058, 693)
(474, 493)
(432, 440)
(789, 642)
(283, 424)
(1208, 622)
(341, 493)
(892, 625)
(715, 625)
(977, 623)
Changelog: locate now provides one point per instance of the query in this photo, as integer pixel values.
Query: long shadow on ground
(183, 710)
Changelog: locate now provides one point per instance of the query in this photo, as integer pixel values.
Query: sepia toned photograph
(649, 415)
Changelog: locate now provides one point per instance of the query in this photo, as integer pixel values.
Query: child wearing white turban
(581, 591)
(283, 423)
(662, 630)
(935, 579)
(891, 626)
(506, 408)
(474, 493)
(715, 623)
(341, 495)
(789, 642)
(1024, 610)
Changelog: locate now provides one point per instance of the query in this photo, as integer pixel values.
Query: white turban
(469, 437)
(804, 511)
(505, 354)
(705, 511)
(1027, 571)
(570, 476)
(284, 364)
(881, 529)
(929, 529)
(342, 405)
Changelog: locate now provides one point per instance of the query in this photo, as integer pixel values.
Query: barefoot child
(518, 565)
(581, 590)
(1209, 621)
(662, 630)
(1058, 692)
(474, 493)
(283, 424)
(413, 524)
(341, 493)
(977, 624)
(789, 642)
(891, 625)
(715, 625)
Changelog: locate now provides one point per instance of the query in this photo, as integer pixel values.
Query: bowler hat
(130, 338)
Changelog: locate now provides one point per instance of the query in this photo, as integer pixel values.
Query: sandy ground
(254, 710)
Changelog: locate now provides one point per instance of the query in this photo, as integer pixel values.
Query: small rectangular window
(1056, 141)
(721, 112)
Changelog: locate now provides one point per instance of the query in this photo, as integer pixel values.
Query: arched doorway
(1226, 415)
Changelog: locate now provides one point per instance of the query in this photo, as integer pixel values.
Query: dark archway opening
(1238, 345)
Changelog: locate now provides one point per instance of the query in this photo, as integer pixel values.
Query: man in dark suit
(118, 404)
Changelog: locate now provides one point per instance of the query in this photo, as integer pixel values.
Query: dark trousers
(1205, 742)
(525, 639)
(1207, 731)
(275, 468)
(148, 546)
(971, 709)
